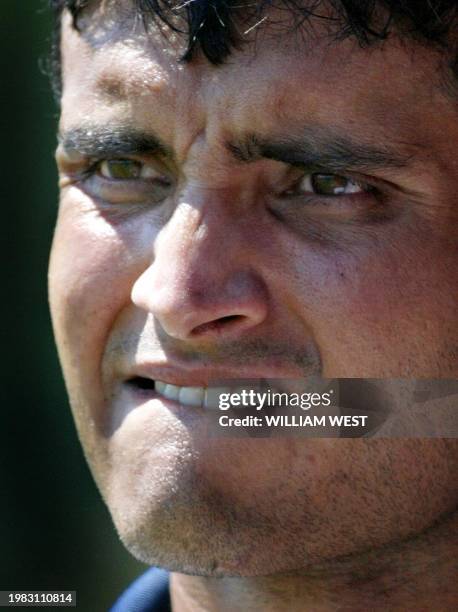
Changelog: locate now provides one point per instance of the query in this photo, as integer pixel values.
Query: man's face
(289, 213)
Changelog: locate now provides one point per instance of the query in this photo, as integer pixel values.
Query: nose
(201, 282)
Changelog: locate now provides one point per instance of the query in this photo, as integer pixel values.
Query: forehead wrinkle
(130, 67)
(120, 86)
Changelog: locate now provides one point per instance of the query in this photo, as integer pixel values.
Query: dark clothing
(149, 593)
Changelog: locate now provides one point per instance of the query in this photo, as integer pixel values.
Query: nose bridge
(200, 277)
(195, 237)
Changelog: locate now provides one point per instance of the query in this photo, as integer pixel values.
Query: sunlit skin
(186, 251)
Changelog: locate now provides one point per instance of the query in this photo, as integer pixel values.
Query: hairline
(447, 82)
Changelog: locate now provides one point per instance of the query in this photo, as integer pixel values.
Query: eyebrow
(109, 141)
(315, 147)
(318, 147)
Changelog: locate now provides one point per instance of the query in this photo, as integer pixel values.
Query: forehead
(114, 67)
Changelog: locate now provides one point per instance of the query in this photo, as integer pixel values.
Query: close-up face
(289, 213)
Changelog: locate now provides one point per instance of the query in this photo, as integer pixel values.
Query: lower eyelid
(126, 191)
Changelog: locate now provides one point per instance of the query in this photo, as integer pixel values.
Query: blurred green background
(55, 532)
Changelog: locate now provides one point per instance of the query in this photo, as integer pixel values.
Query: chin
(211, 558)
(198, 532)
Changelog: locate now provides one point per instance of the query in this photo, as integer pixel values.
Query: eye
(125, 170)
(128, 181)
(329, 185)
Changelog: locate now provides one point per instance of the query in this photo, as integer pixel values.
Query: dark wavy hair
(210, 25)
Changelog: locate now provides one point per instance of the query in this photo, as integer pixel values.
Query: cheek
(361, 304)
(92, 271)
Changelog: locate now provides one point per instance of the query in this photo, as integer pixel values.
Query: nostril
(230, 318)
(218, 324)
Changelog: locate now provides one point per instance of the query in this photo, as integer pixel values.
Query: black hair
(209, 25)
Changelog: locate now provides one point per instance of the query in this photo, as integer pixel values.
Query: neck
(419, 573)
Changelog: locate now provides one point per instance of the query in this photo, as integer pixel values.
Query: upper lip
(205, 376)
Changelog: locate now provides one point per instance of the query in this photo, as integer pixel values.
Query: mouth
(207, 397)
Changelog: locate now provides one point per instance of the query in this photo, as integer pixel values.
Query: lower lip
(146, 407)
(142, 395)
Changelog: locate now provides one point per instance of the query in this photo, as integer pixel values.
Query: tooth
(191, 396)
(200, 396)
(212, 396)
(171, 392)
